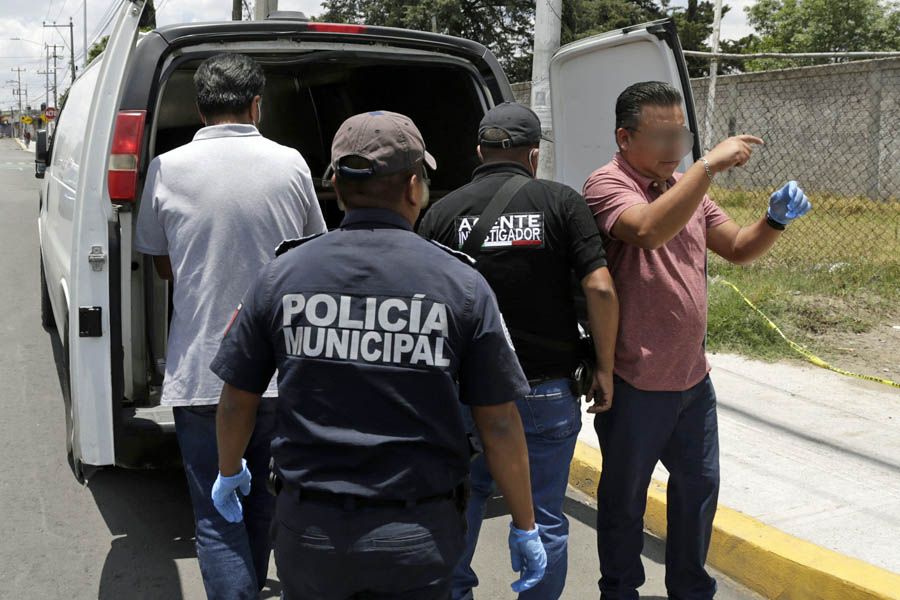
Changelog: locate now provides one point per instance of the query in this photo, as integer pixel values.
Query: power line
(98, 29)
(71, 44)
(62, 37)
(102, 29)
(61, 9)
(110, 13)
(109, 8)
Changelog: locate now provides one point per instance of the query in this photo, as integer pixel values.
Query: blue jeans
(681, 429)
(325, 552)
(551, 416)
(234, 557)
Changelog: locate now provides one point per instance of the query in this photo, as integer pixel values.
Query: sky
(27, 51)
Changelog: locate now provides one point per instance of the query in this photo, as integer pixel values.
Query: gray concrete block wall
(834, 128)
(522, 92)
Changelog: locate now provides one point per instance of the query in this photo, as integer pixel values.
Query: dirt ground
(875, 352)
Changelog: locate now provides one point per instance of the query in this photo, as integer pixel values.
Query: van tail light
(336, 28)
(125, 155)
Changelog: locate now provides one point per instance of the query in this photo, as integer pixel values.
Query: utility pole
(55, 89)
(262, 8)
(71, 44)
(46, 74)
(547, 26)
(84, 31)
(713, 73)
(235, 10)
(18, 71)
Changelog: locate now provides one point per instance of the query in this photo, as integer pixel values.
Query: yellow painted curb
(769, 561)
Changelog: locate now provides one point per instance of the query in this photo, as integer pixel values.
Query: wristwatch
(709, 172)
(773, 223)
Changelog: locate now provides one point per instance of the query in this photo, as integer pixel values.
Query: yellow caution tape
(806, 353)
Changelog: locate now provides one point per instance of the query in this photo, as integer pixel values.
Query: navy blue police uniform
(377, 335)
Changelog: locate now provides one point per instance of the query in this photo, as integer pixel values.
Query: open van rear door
(89, 334)
(587, 76)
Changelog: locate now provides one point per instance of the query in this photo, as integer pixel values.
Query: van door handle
(97, 258)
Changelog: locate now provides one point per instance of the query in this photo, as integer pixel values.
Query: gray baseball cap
(519, 122)
(391, 143)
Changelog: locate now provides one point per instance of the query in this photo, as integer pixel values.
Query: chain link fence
(836, 130)
(833, 128)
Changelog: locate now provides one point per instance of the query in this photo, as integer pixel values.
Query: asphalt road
(129, 534)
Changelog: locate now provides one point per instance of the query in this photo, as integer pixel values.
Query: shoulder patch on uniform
(462, 256)
(290, 244)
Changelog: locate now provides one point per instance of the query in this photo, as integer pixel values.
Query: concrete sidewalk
(491, 561)
(809, 452)
(21, 144)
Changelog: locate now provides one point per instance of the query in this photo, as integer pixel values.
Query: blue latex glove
(788, 203)
(528, 557)
(224, 493)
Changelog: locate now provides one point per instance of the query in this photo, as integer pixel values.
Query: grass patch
(834, 271)
(848, 229)
(808, 304)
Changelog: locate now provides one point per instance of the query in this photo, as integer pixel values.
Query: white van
(104, 299)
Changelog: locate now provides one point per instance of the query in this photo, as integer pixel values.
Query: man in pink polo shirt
(660, 224)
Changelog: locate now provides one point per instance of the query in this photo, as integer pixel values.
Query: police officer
(534, 233)
(377, 335)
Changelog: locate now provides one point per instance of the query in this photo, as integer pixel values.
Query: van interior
(306, 98)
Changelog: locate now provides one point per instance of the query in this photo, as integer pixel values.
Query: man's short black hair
(638, 95)
(490, 153)
(227, 83)
(373, 192)
(494, 134)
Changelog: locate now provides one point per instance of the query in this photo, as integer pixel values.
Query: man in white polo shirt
(211, 215)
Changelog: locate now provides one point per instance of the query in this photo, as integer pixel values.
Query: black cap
(518, 121)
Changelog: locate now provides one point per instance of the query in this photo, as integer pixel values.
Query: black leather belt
(539, 380)
(350, 502)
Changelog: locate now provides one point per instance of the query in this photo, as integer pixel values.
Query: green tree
(695, 25)
(504, 27)
(507, 27)
(743, 45)
(147, 23)
(97, 49)
(148, 17)
(583, 18)
(821, 26)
